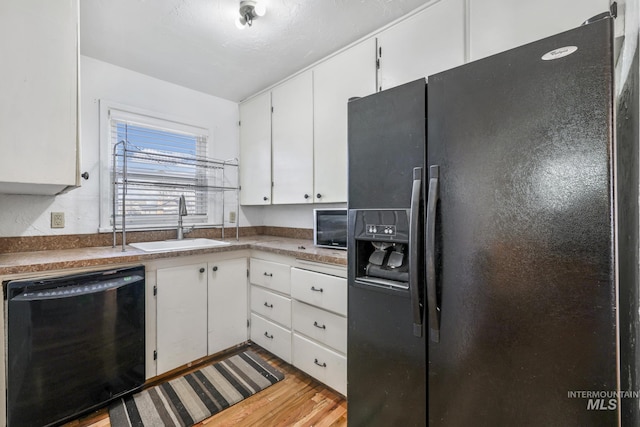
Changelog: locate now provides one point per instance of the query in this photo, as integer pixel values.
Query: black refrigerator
(483, 243)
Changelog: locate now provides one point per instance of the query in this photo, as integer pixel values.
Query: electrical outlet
(232, 217)
(57, 219)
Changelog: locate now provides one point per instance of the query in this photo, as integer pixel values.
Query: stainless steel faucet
(182, 211)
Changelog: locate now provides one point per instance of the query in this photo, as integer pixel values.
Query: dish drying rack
(215, 180)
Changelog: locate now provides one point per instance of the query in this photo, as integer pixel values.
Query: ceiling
(195, 43)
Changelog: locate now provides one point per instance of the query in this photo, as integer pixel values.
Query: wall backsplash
(73, 241)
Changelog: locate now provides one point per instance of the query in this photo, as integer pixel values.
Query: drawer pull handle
(322, 365)
(268, 274)
(314, 289)
(266, 334)
(268, 305)
(319, 326)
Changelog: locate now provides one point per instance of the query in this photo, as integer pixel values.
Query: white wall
(30, 215)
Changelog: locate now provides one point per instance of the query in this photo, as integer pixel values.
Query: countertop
(28, 262)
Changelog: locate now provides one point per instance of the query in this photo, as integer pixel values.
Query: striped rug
(196, 396)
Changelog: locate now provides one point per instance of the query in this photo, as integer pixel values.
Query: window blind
(152, 167)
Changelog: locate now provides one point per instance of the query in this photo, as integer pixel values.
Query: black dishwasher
(74, 343)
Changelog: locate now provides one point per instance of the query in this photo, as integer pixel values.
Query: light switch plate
(232, 217)
(57, 219)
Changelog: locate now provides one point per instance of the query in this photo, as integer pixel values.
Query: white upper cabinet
(39, 102)
(255, 150)
(499, 25)
(351, 73)
(292, 140)
(426, 43)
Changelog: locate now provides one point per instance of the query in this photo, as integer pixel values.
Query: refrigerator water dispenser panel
(381, 239)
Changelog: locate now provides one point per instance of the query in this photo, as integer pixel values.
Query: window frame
(111, 110)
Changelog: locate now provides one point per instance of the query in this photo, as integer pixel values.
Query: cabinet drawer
(272, 337)
(323, 326)
(271, 275)
(321, 363)
(321, 290)
(272, 306)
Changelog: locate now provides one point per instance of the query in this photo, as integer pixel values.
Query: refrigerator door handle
(414, 280)
(432, 297)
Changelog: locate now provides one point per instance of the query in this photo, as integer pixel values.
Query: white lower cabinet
(271, 305)
(322, 290)
(299, 313)
(227, 304)
(327, 328)
(200, 309)
(320, 324)
(181, 315)
(275, 276)
(271, 336)
(320, 362)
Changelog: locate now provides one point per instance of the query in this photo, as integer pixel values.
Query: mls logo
(602, 405)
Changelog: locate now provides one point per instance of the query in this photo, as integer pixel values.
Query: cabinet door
(227, 304)
(352, 73)
(498, 25)
(292, 122)
(181, 315)
(255, 150)
(39, 87)
(427, 43)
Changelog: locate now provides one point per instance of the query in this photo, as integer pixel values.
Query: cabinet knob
(306, 196)
(202, 270)
(215, 268)
(318, 196)
(265, 198)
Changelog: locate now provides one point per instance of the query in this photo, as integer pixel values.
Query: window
(163, 161)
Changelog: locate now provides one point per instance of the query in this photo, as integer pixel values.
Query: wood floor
(298, 400)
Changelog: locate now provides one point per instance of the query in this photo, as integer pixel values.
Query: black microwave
(330, 228)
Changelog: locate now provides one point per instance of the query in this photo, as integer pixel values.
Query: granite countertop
(27, 262)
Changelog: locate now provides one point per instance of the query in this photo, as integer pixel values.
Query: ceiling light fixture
(250, 10)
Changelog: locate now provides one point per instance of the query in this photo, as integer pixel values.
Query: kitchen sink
(178, 245)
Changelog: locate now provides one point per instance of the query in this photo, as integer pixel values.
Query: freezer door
(387, 140)
(523, 243)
